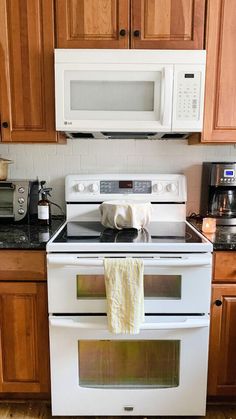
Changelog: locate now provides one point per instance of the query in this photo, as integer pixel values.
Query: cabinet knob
(5, 124)
(218, 303)
(137, 34)
(122, 32)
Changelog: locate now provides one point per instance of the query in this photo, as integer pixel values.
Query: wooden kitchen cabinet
(26, 71)
(92, 23)
(167, 24)
(220, 110)
(222, 350)
(154, 24)
(24, 343)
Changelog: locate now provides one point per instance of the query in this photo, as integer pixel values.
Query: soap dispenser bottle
(44, 208)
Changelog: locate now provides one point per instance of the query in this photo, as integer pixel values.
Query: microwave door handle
(73, 324)
(154, 262)
(166, 99)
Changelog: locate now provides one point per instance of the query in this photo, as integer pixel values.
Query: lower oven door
(160, 371)
(172, 283)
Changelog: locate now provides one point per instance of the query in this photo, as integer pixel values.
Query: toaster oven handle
(73, 324)
(167, 93)
(154, 262)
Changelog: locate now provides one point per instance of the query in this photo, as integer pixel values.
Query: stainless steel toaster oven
(18, 200)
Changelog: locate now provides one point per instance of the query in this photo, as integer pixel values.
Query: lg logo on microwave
(67, 123)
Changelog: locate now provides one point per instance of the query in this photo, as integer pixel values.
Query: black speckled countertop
(28, 236)
(223, 239)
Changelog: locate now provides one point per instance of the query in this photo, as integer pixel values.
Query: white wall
(53, 162)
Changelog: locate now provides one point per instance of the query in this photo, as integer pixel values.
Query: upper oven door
(114, 97)
(172, 284)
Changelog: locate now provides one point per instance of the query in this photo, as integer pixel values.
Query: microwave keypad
(188, 95)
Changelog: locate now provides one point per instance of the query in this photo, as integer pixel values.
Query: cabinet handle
(5, 124)
(137, 34)
(122, 32)
(218, 303)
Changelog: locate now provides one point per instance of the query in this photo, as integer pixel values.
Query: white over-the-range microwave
(129, 93)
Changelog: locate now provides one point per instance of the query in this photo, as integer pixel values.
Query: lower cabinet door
(24, 347)
(222, 365)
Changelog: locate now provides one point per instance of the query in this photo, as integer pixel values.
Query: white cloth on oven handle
(124, 294)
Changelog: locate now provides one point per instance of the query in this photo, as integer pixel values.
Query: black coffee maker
(218, 192)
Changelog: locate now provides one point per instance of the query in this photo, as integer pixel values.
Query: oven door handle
(72, 324)
(154, 262)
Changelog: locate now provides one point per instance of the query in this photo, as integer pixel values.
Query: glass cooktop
(157, 232)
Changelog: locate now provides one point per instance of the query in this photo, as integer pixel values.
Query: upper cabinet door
(167, 24)
(92, 23)
(26, 70)
(220, 108)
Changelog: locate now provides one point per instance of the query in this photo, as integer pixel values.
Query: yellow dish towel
(125, 294)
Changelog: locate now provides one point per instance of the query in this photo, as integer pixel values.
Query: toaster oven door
(6, 200)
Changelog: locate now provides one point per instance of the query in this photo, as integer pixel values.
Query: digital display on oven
(125, 184)
(228, 173)
(189, 76)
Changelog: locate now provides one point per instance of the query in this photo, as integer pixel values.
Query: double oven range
(163, 369)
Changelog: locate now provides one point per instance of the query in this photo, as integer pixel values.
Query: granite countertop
(28, 236)
(223, 239)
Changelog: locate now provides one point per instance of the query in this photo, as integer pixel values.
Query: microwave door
(135, 98)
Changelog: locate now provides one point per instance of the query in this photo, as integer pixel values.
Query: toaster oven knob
(94, 187)
(80, 187)
(21, 211)
(21, 200)
(171, 187)
(21, 189)
(158, 187)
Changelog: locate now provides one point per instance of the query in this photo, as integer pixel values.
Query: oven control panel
(125, 187)
(131, 187)
(166, 188)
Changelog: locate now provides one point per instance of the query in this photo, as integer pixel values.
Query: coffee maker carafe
(218, 193)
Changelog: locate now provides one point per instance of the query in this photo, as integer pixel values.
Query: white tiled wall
(53, 162)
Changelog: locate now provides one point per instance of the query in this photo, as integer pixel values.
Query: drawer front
(22, 265)
(224, 267)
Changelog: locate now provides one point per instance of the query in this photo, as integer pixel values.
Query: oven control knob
(171, 187)
(158, 187)
(21, 211)
(21, 189)
(80, 187)
(94, 187)
(21, 200)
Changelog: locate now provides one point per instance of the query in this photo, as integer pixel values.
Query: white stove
(163, 369)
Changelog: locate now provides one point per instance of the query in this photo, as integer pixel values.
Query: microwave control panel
(188, 95)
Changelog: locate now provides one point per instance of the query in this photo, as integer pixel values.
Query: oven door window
(129, 364)
(6, 202)
(155, 286)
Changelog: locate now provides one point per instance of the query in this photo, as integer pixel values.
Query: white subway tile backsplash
(53, 162)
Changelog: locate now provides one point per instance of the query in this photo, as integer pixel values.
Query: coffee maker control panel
(228, 177)
(223, 174)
